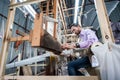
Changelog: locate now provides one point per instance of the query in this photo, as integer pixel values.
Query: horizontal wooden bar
(50, 19)
(70, 8)
(25, 38)
(52, 77)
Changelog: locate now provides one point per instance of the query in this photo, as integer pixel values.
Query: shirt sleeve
(91, 37)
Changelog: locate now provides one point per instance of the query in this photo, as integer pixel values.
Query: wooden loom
(39, 37)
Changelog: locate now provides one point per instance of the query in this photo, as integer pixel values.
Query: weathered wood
(27, 70)
(51, 64)
(103, 21)
(5, 45)
(49, 43)
(52, 77)
(18, 68)
(41, 38)
(55, 8)
(70, 8)
(63, 20)
(47, 13)
(37, 31)
(20, 38)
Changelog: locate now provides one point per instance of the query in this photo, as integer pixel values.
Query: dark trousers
(75, 65)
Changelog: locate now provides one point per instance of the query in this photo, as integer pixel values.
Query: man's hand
(67, 46)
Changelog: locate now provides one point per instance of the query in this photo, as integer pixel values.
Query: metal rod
(28, 61)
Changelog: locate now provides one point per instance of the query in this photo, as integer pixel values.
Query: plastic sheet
(109, 60)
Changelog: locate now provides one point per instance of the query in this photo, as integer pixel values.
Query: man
(116, 31)
(88, 37)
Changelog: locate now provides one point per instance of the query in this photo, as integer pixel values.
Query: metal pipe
(28, 61)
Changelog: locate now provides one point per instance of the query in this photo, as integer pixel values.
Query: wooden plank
(62, 18)
(18, 68)
(103, 21)
(63, 14)
(52, 77)
(47, 13)
(70, 8)
(50, 19)
(49, 43)
(55, 8)
(13, 39)
(27, 70)
(41, 38)
(5, 45)
(51, 64)
(65, 7)
(37, 31)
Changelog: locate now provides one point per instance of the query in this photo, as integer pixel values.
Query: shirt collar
(82, 32)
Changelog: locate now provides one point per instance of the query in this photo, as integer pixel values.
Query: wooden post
(55, 9)
(18, 68)
(37, 32)
(47, 12)
(5, 45)
(103, 21)
(63, 21)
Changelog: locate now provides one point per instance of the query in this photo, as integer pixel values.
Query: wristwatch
(77, 45)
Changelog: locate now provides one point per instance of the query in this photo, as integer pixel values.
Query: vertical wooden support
(103, 21)
(18, 68)
(47, 12)
(35, 54)
(55, 9)
(5, 40)
(27, 71)
(63, 22)
(37, 32)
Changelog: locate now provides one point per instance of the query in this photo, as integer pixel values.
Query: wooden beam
(47, 12)
(70, 8)
(18, 68)
(37, 31)
(62, 18)
(49, 43)
(25, 38)
(103, 21)
(55, 9)
(66, 11)
(5, 45)
(28, 2)
(63, 14)
(52, 77)
(41, 38)
(27, 70)
(50, 19)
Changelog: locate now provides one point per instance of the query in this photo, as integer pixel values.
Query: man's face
(75, 30)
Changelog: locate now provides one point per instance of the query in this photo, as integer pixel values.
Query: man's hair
(76, 25)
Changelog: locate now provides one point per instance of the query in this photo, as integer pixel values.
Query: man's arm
(68, 46)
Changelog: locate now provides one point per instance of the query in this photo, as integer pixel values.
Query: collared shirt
(88, 37)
